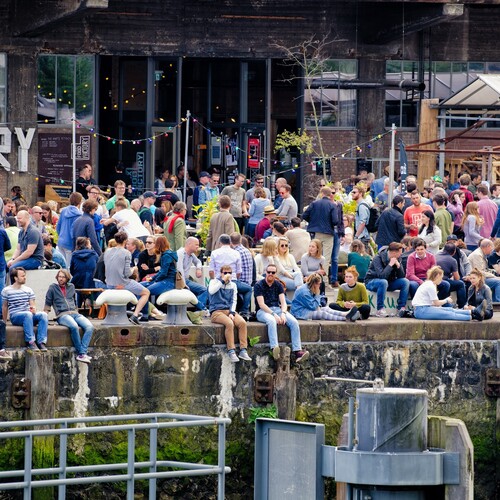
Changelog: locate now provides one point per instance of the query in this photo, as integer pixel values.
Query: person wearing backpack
(325, 223)
(362, 217)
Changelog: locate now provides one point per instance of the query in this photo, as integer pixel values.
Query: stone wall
(159, 371)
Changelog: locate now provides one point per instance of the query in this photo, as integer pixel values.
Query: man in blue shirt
(29, 251)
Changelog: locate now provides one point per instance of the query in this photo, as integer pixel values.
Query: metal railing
(152, 422)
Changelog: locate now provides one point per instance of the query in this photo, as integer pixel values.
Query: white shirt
(134, 228)
(425, 295)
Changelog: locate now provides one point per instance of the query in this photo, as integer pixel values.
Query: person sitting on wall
(18, 302)
(272, 310)
(386, 273)
(29, 253)
(223, 296)
(427, 304)
(479, 297)
(61, 296)
(352, 294)
(306, 303)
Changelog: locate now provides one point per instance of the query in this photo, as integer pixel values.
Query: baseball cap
(204, 173)
(149, 194)
(452, 237)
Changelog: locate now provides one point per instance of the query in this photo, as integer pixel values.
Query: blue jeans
(2, 286)
(293, 283)
(494, 284)
(443, 289)
(458, 287)
(272, 327)
(433, 312)
(28, 320)
(334, 265)
(73, 322)
(382, 286)
(2, 334)
(156, 289)
(29, 264)
(201, 293)
(245, 290)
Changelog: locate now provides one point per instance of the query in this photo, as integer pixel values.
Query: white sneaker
(244, 355)
(382, 313)
(232, 356)
(83, 358)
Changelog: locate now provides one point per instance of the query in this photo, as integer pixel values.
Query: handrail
(154, 426)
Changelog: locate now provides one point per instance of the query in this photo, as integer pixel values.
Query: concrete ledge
(370, 330)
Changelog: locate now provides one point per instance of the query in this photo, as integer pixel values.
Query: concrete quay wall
(155, 368)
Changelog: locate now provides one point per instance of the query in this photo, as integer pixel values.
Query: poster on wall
(55, 159)
(215, 151)
(253, 152)
(232, 151)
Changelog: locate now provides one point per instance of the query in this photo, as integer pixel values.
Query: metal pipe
(382, 84)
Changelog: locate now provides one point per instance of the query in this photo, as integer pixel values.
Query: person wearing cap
(210, 190)
(148, 209)
(265, 223)
(204, 178)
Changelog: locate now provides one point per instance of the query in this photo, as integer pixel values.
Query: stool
(116, 302)
(177, 302)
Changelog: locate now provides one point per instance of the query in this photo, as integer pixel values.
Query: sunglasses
(227, 272)
(259, 182)
(284, 246)
(271, 272)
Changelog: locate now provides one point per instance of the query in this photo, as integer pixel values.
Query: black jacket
(380, 269)
(390, 226)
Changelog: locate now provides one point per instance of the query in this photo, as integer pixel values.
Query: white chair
(177, 302)
(116, 301)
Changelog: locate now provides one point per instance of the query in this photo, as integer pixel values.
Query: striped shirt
(18, 299)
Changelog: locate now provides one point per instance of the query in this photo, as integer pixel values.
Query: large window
(66, 86)
(401, 106)
(326, 102)
(442, 79)
(3, 88)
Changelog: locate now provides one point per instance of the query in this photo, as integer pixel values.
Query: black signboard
(55, 163)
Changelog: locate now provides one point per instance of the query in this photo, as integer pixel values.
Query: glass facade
(65, 86)
(328, 104)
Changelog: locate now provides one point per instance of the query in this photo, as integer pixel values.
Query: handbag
(179, 281)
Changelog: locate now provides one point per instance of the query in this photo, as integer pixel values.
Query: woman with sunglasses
(306, 303)
(148, 261)
(223, 296)
(267, 256)
(292, 275)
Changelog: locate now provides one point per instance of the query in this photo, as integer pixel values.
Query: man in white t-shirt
(128, 219)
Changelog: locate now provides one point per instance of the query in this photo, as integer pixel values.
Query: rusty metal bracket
(21, 393)
(492, 383)
(263, 389)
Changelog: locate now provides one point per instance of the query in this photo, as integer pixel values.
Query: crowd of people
(260, 245)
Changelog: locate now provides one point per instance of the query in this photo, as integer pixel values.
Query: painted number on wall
(195, 365)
